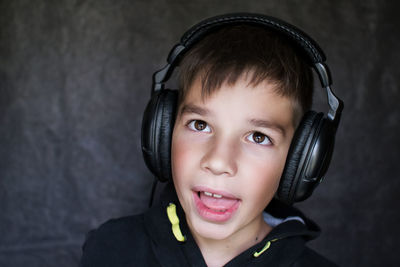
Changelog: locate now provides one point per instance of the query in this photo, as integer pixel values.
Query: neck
(218, 252)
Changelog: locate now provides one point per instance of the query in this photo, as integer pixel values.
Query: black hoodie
(148, 240)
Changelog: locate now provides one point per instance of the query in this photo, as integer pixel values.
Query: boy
(244, 90)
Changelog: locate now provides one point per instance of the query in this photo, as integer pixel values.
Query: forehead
(261, 100)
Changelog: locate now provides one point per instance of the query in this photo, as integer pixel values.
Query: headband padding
(314, 53)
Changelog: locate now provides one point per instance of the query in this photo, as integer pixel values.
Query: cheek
(267, 176)
(182, 156)
(263, 177)
(183, 163)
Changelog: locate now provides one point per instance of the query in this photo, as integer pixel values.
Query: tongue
(217, 203)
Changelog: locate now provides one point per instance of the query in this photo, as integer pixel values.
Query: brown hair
(264, 55)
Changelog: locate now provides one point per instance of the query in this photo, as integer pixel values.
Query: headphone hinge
(335, 106)
(159, 78)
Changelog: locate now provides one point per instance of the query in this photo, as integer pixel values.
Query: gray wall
(75, 78)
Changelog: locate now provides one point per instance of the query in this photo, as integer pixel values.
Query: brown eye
(258, 137)
(200, 125)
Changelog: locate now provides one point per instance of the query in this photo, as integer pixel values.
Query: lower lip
(214, 215)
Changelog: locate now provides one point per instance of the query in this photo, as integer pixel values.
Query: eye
(199, 126)
(259, 138)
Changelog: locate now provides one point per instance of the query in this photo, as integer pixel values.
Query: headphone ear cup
(297, 152)
(157, 126)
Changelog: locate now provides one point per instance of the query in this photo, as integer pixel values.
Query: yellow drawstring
(267, 245)
(173, 218)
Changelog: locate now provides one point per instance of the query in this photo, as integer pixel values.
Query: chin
(210, 230)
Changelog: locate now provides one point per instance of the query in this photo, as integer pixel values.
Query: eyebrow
(268, 124)
(190, 108)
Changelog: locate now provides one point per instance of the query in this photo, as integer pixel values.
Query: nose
(220, 157)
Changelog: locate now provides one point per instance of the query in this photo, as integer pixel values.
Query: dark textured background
(75, 78)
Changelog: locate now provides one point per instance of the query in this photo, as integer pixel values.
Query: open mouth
(216, 202)
(215, 206)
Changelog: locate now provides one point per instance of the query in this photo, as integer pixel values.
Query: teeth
(212, 195)
(208, 194)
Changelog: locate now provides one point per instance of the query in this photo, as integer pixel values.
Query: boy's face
(228, 154)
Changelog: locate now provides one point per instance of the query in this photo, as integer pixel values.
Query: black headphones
(312, 146)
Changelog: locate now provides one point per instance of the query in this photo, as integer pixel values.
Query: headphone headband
(195, 33)
(311, 49)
